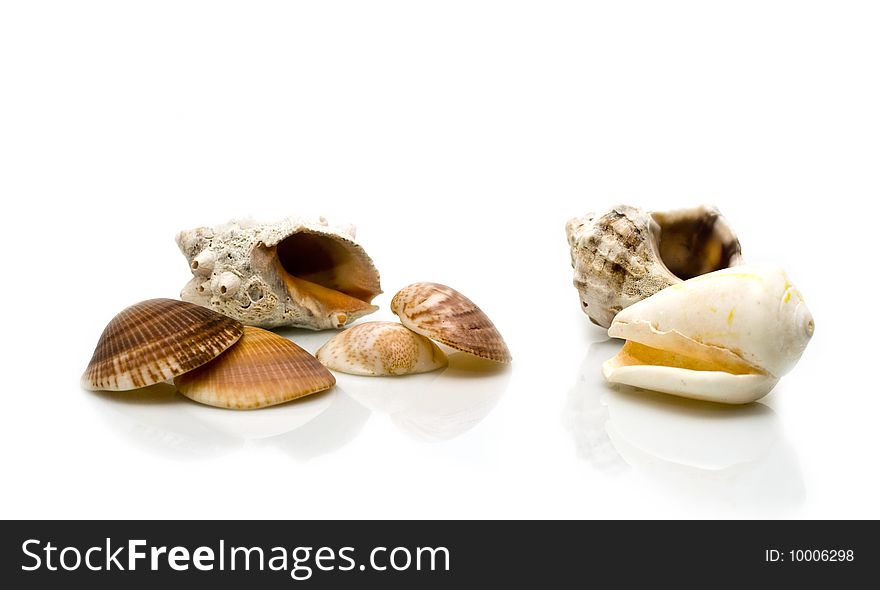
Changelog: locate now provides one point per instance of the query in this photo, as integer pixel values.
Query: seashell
(262, 369)
(156, 340)
(626, 254)
(443, 314)
(290, 273)
(381, 348)
(727, 336)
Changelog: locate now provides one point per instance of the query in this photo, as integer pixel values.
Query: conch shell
(726, 336)
(626, 254)
(291, 273)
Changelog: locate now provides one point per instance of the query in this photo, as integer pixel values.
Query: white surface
(458, 137)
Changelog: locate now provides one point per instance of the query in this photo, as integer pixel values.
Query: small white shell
(725, 336)
(381, 348)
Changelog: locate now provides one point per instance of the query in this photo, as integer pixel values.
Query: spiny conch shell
(626, 254)
(262, 369)
(381, 348)
(290, 273)
(155, 340)
(443, 314)
(727, 336)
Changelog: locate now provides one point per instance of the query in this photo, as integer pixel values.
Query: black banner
(285, 554)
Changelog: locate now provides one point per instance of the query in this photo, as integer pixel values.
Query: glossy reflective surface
(458, 142)
(726, 457)
(430, 407)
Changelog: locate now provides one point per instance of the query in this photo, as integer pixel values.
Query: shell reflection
(700, 454)
(436, 406)
(303, 428)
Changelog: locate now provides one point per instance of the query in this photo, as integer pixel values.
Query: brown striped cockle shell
(443, 314)
(156, 340)
(381, 348)
(627, 254)
(262, 369)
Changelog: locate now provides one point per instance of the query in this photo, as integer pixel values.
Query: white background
(459, 137)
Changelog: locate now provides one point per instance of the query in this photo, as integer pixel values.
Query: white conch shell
(726, 336)
(294, 272)
(381, 348)
(626, 254)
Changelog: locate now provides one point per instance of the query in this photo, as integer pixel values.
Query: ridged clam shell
(156, 340)
(262, 369)
(724, 336)
(381, 348)
(443, 314)
(626, 254)
(294, 272)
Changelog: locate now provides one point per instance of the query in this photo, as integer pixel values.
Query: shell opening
(325, 274)
(633, 354)
(320, 260)
(641, 366)
(695, 242)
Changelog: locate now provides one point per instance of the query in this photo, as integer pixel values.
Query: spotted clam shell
(381, 348)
